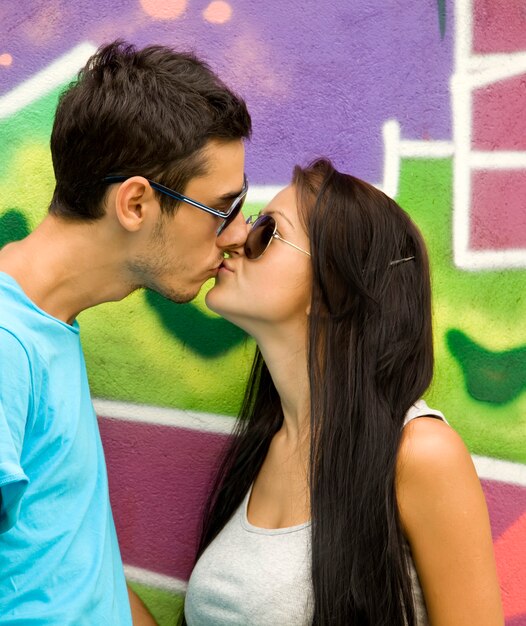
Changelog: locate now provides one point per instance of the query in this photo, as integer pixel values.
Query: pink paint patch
(6, 59)
(498, 210)
(510, 552)
(164, 9)
(499, 26)
(499, 121)
(159, 478)
(506, 503)
(218, 12)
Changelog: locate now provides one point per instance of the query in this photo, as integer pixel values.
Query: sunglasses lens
(235, 209)
(235, 212)
(260, 236)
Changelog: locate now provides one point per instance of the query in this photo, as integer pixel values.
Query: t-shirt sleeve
(15, 402)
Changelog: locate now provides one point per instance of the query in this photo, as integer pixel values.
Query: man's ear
(135, 201)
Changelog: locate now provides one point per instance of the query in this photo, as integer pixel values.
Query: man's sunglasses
(228, 216)
(263, 232)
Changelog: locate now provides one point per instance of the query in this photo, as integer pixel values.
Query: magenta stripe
(159, 477)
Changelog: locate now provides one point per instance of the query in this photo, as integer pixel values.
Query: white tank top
(261, 577)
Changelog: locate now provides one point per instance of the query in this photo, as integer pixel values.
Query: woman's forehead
(285, 203)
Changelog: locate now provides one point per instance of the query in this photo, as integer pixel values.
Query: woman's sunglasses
(263, 232)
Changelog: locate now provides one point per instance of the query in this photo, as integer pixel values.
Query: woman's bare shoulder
(429, 445)
(434, 465)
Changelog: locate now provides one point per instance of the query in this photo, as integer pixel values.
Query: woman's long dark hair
(370, 358)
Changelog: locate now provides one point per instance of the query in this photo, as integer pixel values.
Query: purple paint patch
(159, 478)
(506, 503)
(318, 82)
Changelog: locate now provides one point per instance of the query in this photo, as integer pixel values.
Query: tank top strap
(420, 409)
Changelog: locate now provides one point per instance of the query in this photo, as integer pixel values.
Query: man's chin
(178, 296)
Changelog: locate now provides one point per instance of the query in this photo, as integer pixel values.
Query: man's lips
(225, 265)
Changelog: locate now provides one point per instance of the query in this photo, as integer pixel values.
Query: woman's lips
(225, 266)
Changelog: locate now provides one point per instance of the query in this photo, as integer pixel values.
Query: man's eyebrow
(231, 195)
(228, 196)
(282, 215)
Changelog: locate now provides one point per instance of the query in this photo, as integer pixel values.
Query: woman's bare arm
(445, 519)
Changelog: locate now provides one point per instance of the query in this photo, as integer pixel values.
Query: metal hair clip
(398, 261)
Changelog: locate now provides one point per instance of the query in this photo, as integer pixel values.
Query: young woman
(343, 499)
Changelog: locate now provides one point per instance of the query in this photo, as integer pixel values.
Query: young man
(138, 129)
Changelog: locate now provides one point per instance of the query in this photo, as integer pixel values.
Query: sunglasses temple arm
(292, 244)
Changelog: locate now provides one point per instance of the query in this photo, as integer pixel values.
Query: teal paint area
(441, 5)
(13, 226)
(495, 377)
(206, 336)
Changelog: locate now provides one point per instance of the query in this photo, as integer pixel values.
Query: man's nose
(234, 235)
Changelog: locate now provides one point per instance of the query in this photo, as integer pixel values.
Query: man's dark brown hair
(143, 112)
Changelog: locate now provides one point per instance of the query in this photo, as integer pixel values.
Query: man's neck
(67, 267)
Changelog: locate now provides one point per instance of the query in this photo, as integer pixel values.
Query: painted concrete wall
(426, 99)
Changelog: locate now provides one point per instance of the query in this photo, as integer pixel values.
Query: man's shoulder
(12, 345)
(17, 336)
(13, 308)
(22, 343)
(20, 318)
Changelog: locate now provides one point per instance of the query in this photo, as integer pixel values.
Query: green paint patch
(27, 182)
(149, 351)
(164, 606)
(134, 356)
(13, 226)
(33, 121)
(497, 377)
(488, 306)
(205, 335)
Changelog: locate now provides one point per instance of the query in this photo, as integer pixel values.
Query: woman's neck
(285, 354)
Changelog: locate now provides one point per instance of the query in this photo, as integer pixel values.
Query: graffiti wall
(426, 99)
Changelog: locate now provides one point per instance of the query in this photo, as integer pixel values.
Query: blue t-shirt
(59, 559)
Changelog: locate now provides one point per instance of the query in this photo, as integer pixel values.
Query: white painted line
(391, 138)
(262, 194)
(497, 160)
(480, 63)
(492, 469)
(461, 109)
(204, 422)
(58, 73)
(463, 34)
(153, 579)
(433, 149)
(502, 471)
(476, 260)
(506, 67)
